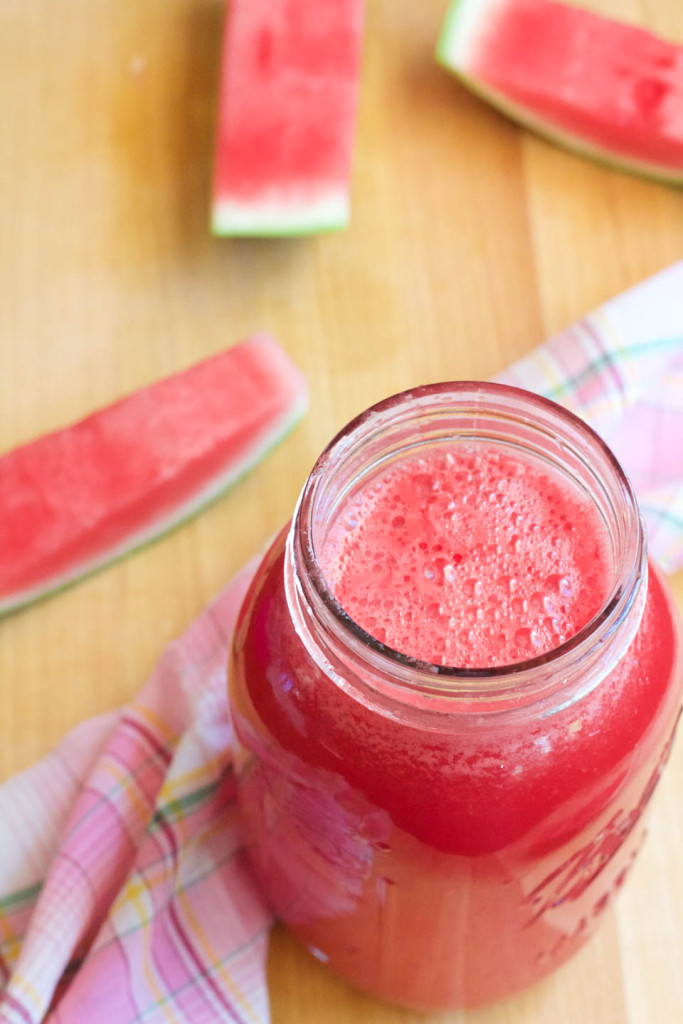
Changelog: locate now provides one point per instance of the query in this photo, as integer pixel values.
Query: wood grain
(470, 242)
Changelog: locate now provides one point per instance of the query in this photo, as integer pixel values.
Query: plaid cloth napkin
(124, 895)
(123, 891)
(621, 370)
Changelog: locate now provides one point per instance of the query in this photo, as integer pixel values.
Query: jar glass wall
(442, 836)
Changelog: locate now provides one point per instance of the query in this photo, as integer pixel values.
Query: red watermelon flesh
(611, 89)
(82, 496)
(287, 116)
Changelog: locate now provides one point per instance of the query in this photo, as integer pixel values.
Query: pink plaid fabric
(621, 369)
(123, 891)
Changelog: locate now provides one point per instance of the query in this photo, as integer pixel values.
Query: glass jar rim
(452, 678)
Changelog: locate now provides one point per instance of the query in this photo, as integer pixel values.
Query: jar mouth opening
(455, 672)
(534, 414)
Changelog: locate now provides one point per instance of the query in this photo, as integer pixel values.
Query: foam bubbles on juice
(470, 555)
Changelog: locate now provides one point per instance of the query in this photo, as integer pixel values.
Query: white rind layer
(163, 523)
(464, 24)
(281, 216)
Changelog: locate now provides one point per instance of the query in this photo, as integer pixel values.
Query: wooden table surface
(470, 242)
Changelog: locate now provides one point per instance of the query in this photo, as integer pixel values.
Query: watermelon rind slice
(286, 405)
(281, 216)
(462, 28)
(286, 117)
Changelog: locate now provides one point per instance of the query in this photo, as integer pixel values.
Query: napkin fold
(124, 893)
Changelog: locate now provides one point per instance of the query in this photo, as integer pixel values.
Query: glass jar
(443, 837)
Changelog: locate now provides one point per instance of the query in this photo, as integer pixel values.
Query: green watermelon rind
(163, 525)
(279, 218)
(451, 33)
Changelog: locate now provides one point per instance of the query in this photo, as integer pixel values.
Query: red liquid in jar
(442, 860)
(469, 556)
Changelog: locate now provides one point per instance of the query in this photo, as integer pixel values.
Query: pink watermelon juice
(469, 556)
(455, 686)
